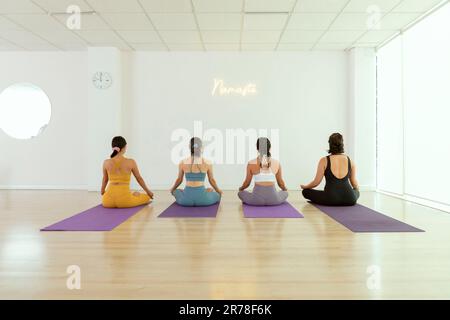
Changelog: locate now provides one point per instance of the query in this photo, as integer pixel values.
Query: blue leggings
(196, 197)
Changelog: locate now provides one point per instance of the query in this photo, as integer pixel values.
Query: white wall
(361, 119)
(105, 108)
(304, 95)
(58, 157)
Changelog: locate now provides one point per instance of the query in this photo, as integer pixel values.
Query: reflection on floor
(224, 258)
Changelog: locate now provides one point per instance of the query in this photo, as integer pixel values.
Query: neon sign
(220, 89)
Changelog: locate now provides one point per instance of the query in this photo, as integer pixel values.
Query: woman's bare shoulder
(185, 161)
(275, 161)
(207, 162)
(323, 163)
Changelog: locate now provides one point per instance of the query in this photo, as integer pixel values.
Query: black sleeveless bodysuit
(337, 192)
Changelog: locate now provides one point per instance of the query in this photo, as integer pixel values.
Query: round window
(25, 111)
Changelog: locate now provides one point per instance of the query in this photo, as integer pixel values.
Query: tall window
(413, 111)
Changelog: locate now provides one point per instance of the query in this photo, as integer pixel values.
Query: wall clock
(102, 80)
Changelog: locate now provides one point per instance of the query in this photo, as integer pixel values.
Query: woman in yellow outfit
(116, 175)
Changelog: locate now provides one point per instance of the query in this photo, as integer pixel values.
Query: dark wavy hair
(118, 142)
(336, 143)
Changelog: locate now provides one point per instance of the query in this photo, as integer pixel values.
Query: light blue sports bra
(195, 176)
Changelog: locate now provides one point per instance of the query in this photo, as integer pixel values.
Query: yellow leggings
(120, 196)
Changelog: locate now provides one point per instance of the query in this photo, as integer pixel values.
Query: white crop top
(266, 176)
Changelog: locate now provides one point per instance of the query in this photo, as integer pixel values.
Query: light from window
(25, 111)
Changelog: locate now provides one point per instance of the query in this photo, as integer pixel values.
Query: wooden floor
(224, 258)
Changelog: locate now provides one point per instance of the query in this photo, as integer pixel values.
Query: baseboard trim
(133, 186)
(41, 187)
(416, 200)
(367, 188)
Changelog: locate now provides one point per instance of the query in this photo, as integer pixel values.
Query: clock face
(102, 80)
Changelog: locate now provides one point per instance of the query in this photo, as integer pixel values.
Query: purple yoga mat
(285, 210)
(95, 219)
(359, 218)
(177, 211)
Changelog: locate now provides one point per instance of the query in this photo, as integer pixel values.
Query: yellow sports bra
(116, 175)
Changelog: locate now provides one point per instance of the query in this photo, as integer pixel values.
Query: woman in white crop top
(265, 172)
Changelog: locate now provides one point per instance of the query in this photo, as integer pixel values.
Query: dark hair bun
(336, 144)
(118, 142)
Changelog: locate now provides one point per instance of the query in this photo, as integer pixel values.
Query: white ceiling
(173, 25)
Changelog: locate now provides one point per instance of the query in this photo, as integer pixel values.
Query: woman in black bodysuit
(341, 187)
